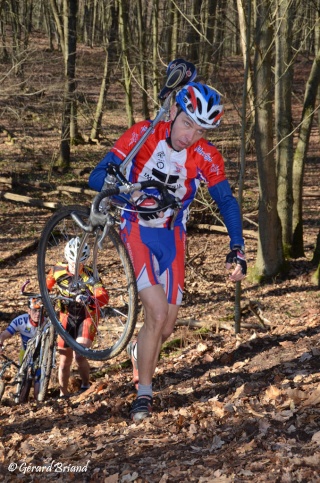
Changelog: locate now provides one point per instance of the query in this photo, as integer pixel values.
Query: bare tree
(270, 258)
(110, 25)
(301, 153)
(67, 28)
(123, 34)
(283, 116)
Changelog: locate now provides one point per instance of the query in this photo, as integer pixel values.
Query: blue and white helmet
(201, 103)
(72, 248)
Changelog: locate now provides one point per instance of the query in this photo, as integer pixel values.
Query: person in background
(26, 325)
(80, 314)
(177, 154)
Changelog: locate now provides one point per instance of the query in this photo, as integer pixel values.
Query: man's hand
(83, 299)
(238, 257)
(149, 207)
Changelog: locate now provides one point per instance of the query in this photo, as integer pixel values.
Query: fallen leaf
(112, 479)
(316, 437)
(313, 399)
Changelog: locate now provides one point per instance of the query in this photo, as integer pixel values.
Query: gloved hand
(147, 206)
(83, 299)
(237, 256)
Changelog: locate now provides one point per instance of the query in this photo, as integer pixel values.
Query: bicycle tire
(2, 389)
(114, 269)
(24, 379)
(46, 362)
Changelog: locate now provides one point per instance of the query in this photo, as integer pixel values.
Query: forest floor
(228, 407)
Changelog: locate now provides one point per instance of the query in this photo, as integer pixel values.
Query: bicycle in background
(37, 362)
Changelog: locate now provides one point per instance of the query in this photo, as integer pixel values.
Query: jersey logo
(134, 138)
(214, 169)
(179, 167)
(206, 156)
(160, 155)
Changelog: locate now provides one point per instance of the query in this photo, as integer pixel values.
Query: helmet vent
(199, 104)
(210, 103)
(214, 114)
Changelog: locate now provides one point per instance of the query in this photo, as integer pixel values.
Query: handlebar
(29, 294)
(124, 187)
(100, 219)
(38, 295)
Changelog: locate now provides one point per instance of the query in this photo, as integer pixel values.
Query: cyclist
(25, 325)
(79, 315)
(177, 154)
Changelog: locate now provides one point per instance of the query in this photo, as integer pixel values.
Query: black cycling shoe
(141, 408)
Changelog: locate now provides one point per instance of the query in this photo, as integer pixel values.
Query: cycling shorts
(158, 257)
(85, 328)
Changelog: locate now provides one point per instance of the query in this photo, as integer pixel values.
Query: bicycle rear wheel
(111, 264)
(46, 361)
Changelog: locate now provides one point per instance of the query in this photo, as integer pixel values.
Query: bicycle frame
(163, 111)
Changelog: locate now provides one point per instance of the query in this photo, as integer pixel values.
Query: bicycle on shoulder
(109, 263)
(38, 358)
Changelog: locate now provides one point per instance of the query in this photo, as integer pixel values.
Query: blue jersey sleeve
(97, 176)
(221, 193)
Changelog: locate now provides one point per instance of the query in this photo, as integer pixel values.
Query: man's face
(72, 267)
(185, 131)
(34, 315)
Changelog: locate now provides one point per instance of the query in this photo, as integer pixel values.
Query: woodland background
(228, 407)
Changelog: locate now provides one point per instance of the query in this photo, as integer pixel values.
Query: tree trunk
(316, 262)
(4, 54)
(59, 25)
(96, 127)
(209, 14)
(245, 48)
(270, 255)
(141, 34)
(110, 24)
(69, 113)
(300, 155)
(283, 118)
(123, 25)
(192, 37)
(174, 21)
(155, 34)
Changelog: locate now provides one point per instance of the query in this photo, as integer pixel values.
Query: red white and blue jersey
(181, 171)
(23, 326)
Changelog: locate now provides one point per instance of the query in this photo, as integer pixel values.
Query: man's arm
(97, 176)
(221, 193)
(4, 336)
(118, 153)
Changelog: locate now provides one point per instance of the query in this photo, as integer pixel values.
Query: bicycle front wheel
(46, 361)
(2, 389)
(111, 265)
(24, 378)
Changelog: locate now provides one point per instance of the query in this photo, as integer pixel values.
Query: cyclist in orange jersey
(80, 315)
